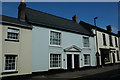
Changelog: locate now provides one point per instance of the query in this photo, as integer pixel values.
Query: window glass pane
(86, 59)
(55, 38)
(85, 41)
(13, 34)
(10, 62)
(55, 60)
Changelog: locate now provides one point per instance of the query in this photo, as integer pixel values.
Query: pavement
(78, 73)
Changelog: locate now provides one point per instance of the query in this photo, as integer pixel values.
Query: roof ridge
(96, 27)
(51, 14)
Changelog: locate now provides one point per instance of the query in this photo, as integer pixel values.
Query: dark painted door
(113, 58)
(69, 61)
(102, 57)
(76, 61)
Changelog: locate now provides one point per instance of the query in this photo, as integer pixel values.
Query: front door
(113, 58)
(69, 61)
(76, 61)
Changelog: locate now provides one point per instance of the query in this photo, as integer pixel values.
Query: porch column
(72, 61)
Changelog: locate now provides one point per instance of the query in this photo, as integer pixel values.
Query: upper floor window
(55, 38)
(13, 34)
(110, 40)
(104, 39)
(116, 42)
(85, 41)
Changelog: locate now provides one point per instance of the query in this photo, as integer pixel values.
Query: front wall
(100, 44)
(0, 49)
(42, 49)
(22, 49)
(40, 44)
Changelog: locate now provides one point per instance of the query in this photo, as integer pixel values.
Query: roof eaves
(50, 26)
(26, 26)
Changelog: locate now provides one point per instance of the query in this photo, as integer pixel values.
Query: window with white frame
(13, 34)
(86, 59)
(55, 60)
(55, 38)
(85, 41)
(10, 62)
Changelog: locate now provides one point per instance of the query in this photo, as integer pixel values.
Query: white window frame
(60, 62)
(89, 60)
(5, 63)
(60, 39)
(88, 43)
(13, 33)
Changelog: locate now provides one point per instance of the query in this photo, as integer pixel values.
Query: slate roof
(89, 27)
(51, 21)
(14, 21)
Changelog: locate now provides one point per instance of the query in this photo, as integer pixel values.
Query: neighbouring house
(15, 47)
(58, 43)
(106, 44)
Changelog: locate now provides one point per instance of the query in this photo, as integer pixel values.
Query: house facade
(58, 43)
(15, 47)
(106, 44)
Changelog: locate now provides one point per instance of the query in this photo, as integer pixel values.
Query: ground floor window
(10, 62)
(55, 60)
(118, 56)
(107, 57)
(86, 59)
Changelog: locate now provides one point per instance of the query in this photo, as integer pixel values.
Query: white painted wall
(42, 49)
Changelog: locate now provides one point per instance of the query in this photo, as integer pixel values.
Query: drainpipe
(97, 53)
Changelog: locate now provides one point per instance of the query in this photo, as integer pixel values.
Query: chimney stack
(21, 10)
(119, 33)
(109, 28)
(75, 18)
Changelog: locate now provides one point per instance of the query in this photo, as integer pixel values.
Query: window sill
(55, 46)
(11, 72)
(11, 40)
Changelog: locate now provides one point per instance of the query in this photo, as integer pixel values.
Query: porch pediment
(72, 48)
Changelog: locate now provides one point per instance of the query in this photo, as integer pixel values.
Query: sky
(107, 12)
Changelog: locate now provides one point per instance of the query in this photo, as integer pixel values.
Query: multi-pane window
(10, 63)
(55, 60)
(86, 41)
(86, 59)
(104, 39)
(55, 38)
(116, 42)
(110, 40)
(13, 34)
(118, 56)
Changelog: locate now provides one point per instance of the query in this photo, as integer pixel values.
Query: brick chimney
(75, 18)
(21, 10)
(119, 33)
(109, 28)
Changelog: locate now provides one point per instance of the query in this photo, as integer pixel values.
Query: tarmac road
(114, 75)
